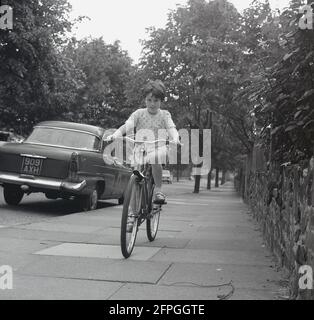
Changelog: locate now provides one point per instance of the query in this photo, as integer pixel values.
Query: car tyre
(121, 200)
(51, 196)
(12, 195)
(89, 202)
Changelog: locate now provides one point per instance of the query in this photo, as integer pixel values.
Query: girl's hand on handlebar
(177, 142)
(110, 138)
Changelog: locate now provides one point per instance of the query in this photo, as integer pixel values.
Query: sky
(127, 20)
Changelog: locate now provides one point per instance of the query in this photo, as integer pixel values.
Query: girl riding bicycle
(154, 121)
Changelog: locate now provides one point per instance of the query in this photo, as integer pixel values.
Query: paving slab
(211, 256)
(210, 222)
(242, 276)
(17, 233)
(96, 269)
(60, 227)
(227, 244)
(219, 235)
(17, 261)
(45, 288)
(229, 228)
(180, 203)
(23, 245)
(104, 222)
(115, 232)
(254, 294)
(142, 241)
(97, 251)
(153, 292)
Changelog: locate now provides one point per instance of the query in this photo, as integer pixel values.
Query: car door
(122, 176)
(119, 171)
(96, 168)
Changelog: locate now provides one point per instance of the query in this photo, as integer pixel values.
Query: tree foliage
(199, 57)
(105, 73)
(36, 81)
(281, 95)
(252, 71)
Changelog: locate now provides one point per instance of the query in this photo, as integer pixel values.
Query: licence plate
(31, 166)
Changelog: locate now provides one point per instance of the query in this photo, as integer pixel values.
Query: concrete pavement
(204, 242)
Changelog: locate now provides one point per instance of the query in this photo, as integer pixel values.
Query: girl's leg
(156, 159)
(158, 197)
(157, 175)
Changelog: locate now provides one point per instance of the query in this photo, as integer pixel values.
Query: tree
(106, 71)
(37, 82)
(281, 95)
(197, 55)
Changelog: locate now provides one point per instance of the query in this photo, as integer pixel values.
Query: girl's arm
(171, 127)
(174, 135)
(126, 128)
(120, 132)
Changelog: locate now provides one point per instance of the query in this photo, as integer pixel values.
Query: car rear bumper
(41, 183)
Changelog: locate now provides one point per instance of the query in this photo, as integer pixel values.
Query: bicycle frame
(144, 174)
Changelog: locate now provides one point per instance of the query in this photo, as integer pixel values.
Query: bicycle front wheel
(152, 221)
(130, 216)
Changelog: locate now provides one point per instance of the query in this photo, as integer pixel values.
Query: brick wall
(282, 201)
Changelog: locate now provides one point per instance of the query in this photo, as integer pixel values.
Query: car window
(166, 172)
(4, 136)
(64, 138)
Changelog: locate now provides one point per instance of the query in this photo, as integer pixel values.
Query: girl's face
(153, 104)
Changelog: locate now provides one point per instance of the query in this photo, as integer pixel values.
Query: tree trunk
(178, 172)
(217, 178)
(223, 178)
(209, 180)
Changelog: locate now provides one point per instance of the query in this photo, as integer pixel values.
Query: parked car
(167, 176)
(8, 136)
(62, 160)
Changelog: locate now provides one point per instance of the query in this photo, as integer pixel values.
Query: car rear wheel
(51, 196)
(121, 200)
(89, 202)
(12, 195)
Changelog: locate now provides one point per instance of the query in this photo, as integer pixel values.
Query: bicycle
(138, 205)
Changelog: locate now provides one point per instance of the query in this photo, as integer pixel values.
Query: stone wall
(282, 201)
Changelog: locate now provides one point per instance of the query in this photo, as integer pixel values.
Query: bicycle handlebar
(144, 141)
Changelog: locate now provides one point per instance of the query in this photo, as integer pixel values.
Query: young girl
(153, 119)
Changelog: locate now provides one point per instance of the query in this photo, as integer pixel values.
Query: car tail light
(74, 167)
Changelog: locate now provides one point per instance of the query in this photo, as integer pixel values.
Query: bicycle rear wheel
(130, 216)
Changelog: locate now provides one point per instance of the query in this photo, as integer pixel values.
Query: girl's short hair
(156, 88)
